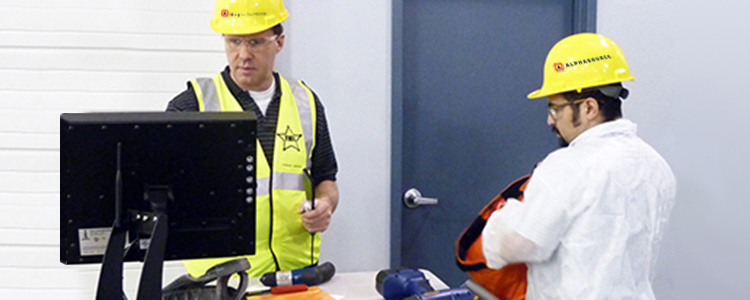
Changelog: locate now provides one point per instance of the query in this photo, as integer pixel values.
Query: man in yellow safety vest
(292, 135)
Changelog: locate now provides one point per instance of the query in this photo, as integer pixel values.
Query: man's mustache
(563, 143)
(554, 129)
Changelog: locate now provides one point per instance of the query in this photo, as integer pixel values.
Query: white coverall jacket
(592, 219)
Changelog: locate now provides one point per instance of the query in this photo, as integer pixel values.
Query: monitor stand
(110, 278)
(154, 222)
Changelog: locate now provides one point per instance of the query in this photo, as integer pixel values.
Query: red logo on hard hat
(224, 13)
(559, 67)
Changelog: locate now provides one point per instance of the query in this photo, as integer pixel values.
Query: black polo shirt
(324, 165)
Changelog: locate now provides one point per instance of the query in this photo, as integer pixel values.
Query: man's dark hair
(608, 97)
(278, 29)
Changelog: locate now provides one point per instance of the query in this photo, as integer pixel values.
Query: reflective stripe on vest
(211, 101)
(290, 242)
(281, 180)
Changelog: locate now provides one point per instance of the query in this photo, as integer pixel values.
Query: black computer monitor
(120, 172)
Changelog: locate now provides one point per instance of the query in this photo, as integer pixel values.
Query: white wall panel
(65, 80)
(29, 182)
(39, 199)
(59, 278)
(39, 293)
(29, 141)
(85, 101)
(33, 258)
(28, 121)
(114, 59)
(31, 237)
(24, 217)
(87, 19)
(80, 56)
(184, 5)
(30, 161)
(56, 278)
(104, 40)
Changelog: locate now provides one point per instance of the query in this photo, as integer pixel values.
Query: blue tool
(309, 276)
(401, 283)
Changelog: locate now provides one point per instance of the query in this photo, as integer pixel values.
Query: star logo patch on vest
(290, 138)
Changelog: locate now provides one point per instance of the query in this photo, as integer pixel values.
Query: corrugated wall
(61, 56)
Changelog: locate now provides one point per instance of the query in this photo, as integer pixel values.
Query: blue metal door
(462, 126)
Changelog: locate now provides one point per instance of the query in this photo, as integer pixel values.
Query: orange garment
(507, 283)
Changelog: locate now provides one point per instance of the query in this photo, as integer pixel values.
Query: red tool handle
(283, 289)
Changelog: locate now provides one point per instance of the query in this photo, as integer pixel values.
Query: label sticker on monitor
(93, 241)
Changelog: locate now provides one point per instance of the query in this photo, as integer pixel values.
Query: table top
(361, 285)
(354, 285)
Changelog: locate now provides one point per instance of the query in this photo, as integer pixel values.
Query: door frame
(584, 20)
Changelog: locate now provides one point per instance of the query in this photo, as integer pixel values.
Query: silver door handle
(413, 198)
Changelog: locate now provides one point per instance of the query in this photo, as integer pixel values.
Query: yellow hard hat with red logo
(582, 61)
(247, 16)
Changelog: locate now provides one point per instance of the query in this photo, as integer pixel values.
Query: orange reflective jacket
(508, 283)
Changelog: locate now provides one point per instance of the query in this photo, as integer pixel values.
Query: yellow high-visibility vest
(282, 242)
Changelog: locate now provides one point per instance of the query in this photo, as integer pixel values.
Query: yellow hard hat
(581, 61)
(247, 16)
